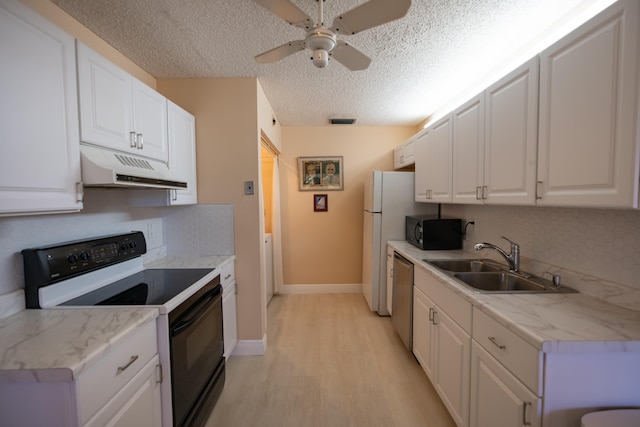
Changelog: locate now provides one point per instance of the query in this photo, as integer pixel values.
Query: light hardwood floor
(330, 362)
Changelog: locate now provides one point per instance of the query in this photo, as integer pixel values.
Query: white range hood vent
(105, 168)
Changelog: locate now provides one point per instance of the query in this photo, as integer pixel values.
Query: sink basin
(465, 265)
(503, 282)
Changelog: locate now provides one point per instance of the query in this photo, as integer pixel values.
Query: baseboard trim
(321, 289)
(250, 347)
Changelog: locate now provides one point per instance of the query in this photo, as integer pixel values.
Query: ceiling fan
(322, 41)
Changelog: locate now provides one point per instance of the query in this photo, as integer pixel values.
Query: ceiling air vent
(340, 121)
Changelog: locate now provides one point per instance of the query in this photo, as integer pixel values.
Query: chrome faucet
(513, 258)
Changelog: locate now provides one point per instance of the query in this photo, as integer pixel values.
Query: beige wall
(227, 144)
(56, 15)
(326, 247)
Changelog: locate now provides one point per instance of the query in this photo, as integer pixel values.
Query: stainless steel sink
(464, 265)
(505, 282)
(488, 276)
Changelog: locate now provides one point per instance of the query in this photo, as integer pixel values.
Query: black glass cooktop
(147, 287)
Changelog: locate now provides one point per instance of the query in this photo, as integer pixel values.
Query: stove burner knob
(72, 259)
(124, 247)
(132, 245)
(84, 256)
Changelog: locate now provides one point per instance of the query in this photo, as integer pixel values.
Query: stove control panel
(46, 265)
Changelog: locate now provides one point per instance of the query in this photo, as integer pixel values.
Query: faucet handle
(513, 244)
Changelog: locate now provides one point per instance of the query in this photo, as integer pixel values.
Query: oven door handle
(197, 311)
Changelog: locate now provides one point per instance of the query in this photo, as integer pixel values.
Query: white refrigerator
(388, 198)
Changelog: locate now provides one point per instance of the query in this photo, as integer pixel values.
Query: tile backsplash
(596, 242)
(192, 230)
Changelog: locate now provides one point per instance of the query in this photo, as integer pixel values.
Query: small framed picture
(320, 203)
(320, 173)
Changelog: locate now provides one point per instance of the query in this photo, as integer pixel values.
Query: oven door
(197, 346)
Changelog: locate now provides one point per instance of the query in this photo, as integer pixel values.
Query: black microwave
(430, 233)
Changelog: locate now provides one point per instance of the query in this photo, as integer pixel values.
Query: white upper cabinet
(182, 160)
(404, 154)
(420, 153)
(510, 141)
(588, 137)
(117, 111)
(40, 162)
(439, 152)
(468, 151)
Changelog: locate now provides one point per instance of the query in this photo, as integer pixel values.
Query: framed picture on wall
(320, 173)
(320, 203)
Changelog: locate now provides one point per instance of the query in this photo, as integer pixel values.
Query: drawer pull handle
(123, 368)
(525, 405)
(227, 276)
(495, 342)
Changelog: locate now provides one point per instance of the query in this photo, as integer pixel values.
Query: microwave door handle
(417, 233)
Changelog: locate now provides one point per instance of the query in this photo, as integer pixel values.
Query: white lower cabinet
(441, 345)
(498, 398)
(121, 389)
(229, 309)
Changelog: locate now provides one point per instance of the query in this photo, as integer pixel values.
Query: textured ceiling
(419, 63)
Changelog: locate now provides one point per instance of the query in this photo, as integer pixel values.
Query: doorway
(270, 194)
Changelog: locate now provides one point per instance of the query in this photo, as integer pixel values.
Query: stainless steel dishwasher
(402, 301)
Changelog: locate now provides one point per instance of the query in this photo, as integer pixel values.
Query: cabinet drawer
(227, 274)
(511, 351)
(102, 381)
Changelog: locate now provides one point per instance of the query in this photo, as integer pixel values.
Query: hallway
(329, 362)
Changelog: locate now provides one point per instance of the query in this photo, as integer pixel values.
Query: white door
(588, 154)
(468, 151)
(439, 153)
(40, 161)
(510, 143)
(371, 259)
(150, 122)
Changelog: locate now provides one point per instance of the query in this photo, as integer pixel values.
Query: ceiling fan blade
(280, 52)
(287, 11)
(350, 57)
(369, 15)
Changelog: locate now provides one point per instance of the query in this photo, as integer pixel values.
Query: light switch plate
(248, 188)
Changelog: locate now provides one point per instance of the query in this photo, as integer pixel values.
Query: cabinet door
(182, 161)
(136, 404)
(468, 151)
(106, 116)
(423, 338)
(497, 397)
(453, 352)
(439, 153)
(150, 122)
(588, 153)
(229, 321)
(421, 183)
(40, 162)
(511, 137)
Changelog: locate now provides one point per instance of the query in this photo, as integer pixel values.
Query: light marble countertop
(53, 345)
(563, 322)
(57, 345)
(214, 261)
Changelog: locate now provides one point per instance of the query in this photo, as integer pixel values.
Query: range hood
(105, 168)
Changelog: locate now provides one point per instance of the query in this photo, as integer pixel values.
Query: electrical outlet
(248, 188)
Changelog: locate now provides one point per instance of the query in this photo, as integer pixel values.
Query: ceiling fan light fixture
(320, 58)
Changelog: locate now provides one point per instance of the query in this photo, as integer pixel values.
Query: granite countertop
(565, 322)
(57, 345)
